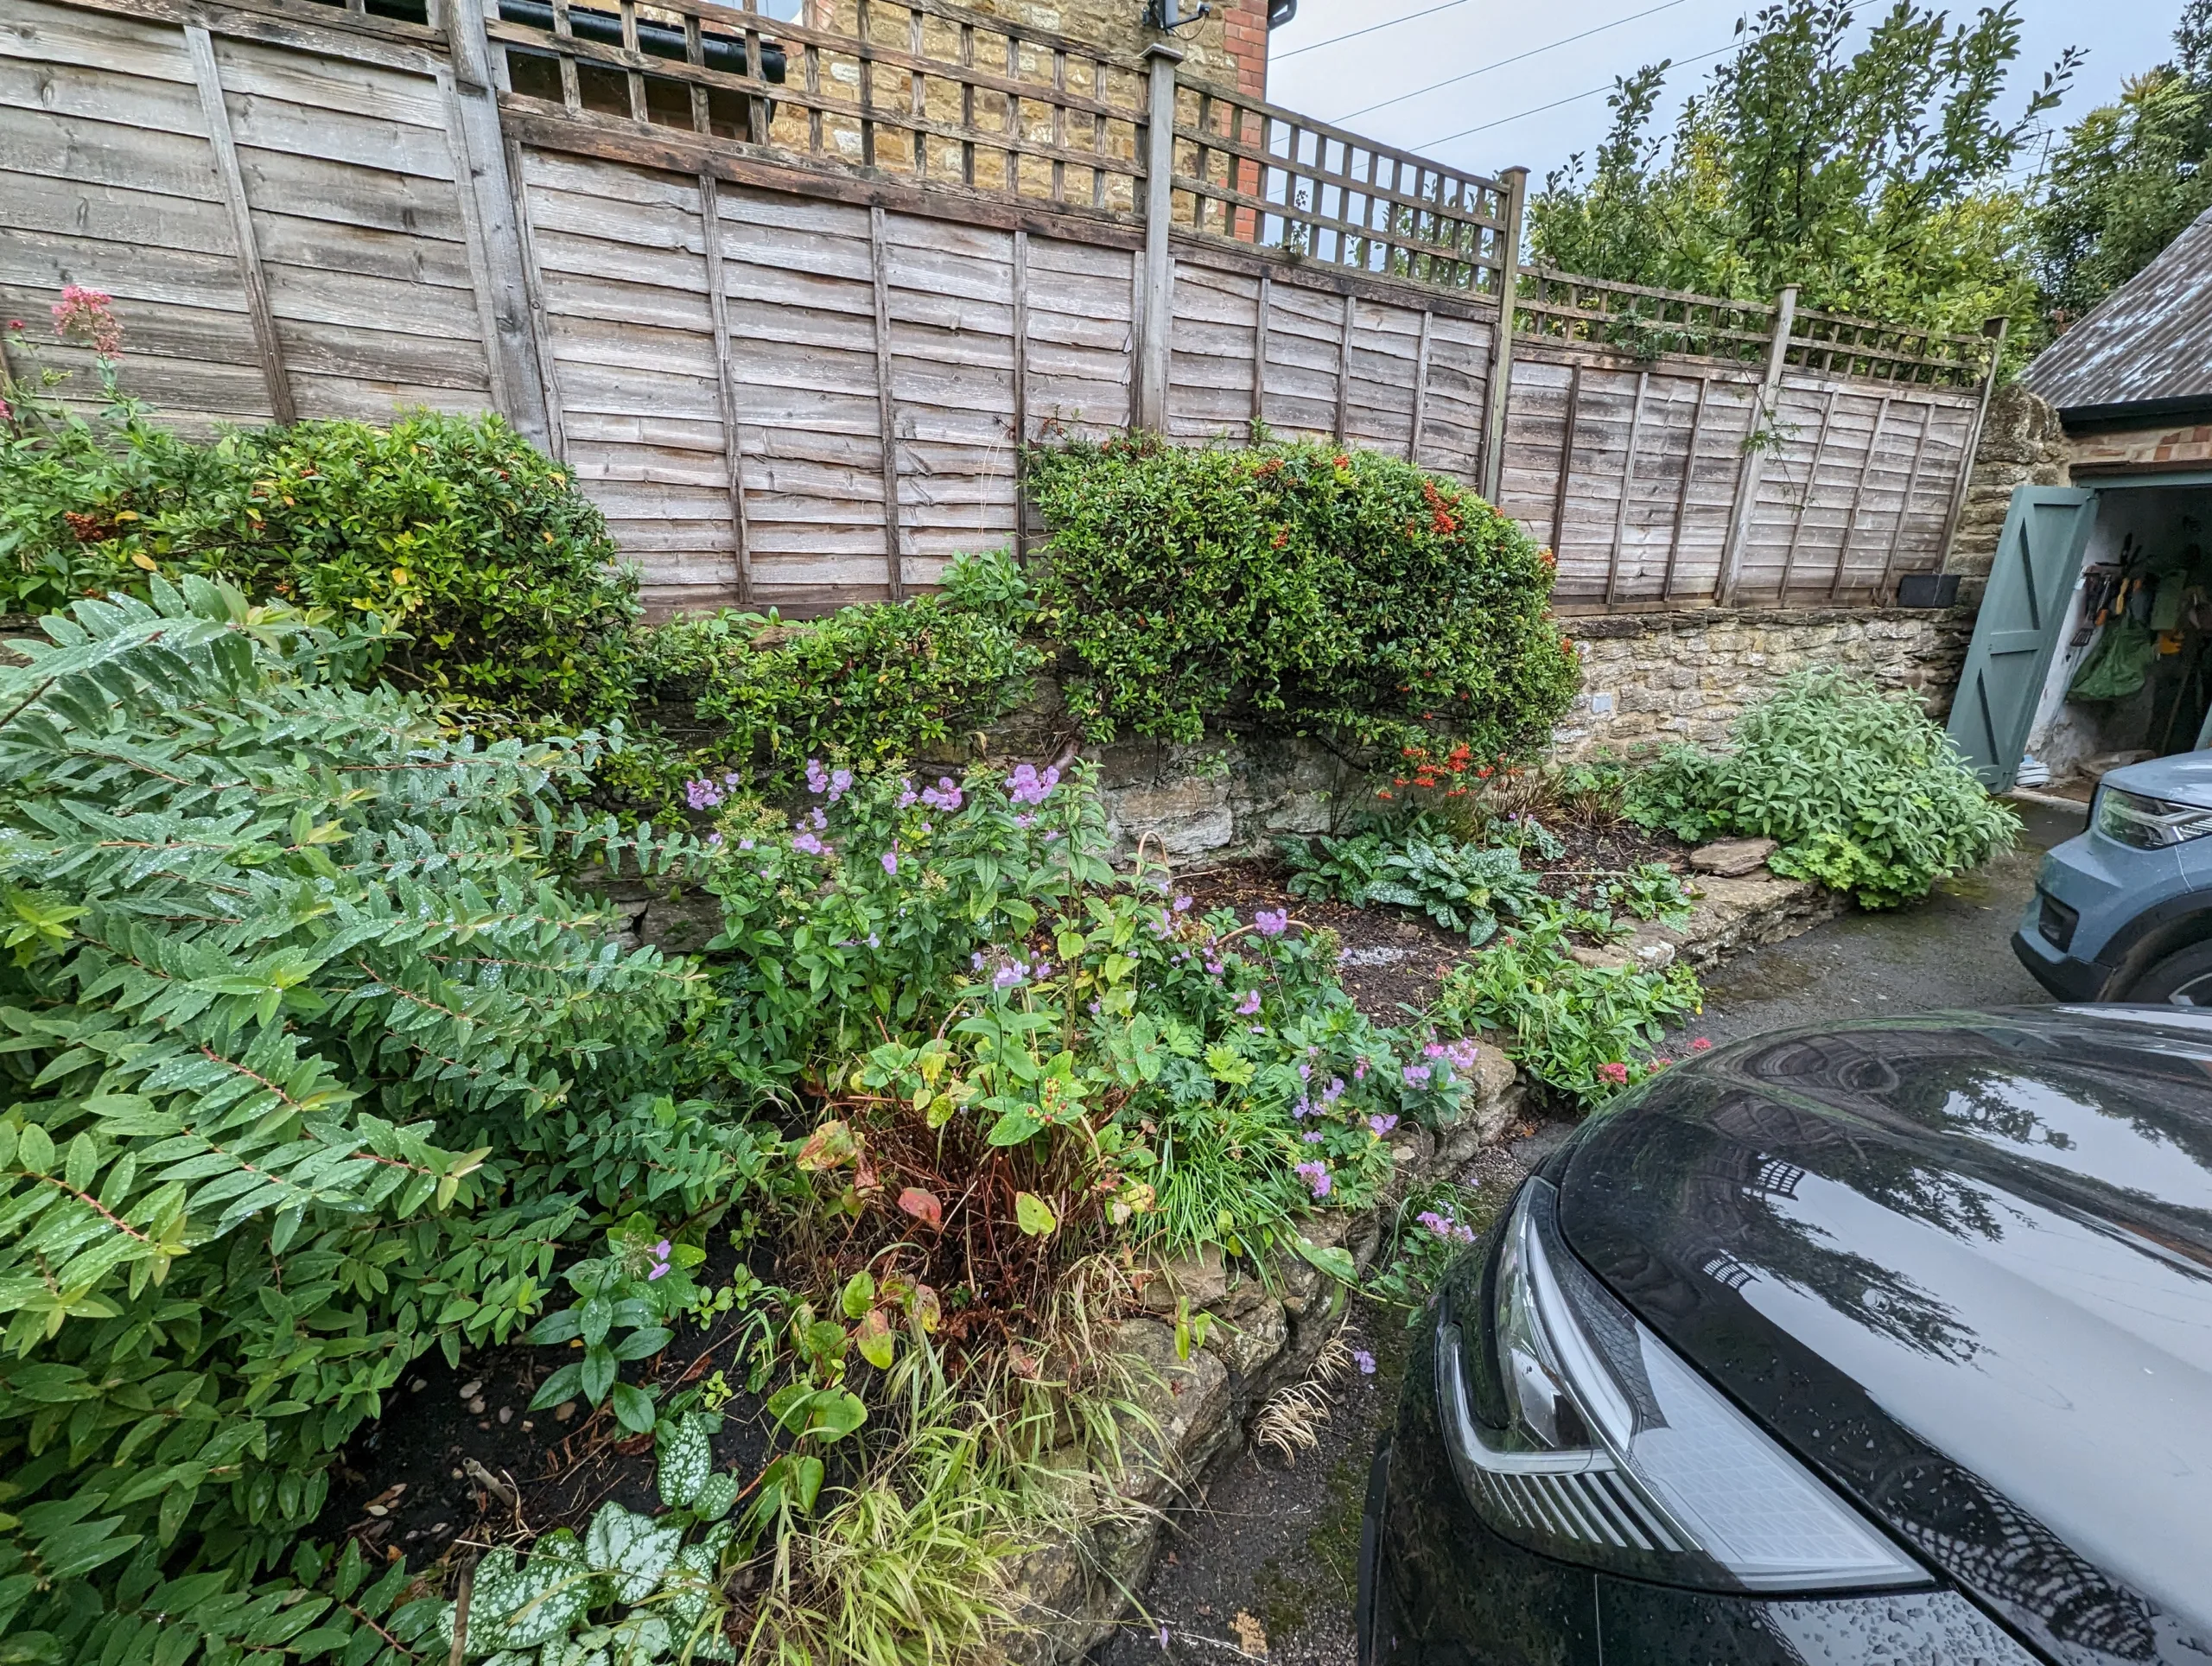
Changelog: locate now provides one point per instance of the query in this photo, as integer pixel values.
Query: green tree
(2130, 176)
(1873, 178)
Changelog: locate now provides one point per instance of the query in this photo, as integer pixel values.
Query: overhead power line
(1573, 98)
(1519, 57)
(1353, 35)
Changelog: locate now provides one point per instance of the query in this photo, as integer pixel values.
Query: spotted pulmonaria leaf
(686, 1460)
(716, 1494)
(1035, 1216)
(923, 1206)
(630, 1550)
(540, 1602)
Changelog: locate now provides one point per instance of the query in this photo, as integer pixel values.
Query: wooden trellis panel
(788, 298)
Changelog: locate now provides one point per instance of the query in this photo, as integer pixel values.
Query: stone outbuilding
(2092, 517)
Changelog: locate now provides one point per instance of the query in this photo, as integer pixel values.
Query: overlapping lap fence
(789, 295)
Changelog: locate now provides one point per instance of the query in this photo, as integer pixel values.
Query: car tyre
(2182, 979)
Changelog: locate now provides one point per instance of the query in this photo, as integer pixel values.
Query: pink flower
(88, 316)
(1250, 1005)
(1617, 1074)
(1703, 1044)
(1316, 1175)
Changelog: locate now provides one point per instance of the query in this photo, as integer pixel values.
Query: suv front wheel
(2183, 978)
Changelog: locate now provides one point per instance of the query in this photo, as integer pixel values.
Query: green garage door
(2039, 558)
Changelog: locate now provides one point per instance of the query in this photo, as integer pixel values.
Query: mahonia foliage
(307, 1064)
(1345, 594)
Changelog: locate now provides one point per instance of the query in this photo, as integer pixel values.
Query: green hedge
(455, 529)
(1296, 586)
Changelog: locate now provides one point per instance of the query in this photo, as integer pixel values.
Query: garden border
(1069, 1596)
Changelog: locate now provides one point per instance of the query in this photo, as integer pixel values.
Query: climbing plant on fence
(307, 1066)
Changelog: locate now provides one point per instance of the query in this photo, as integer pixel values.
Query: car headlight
(1616, 1455)
(2148, 823)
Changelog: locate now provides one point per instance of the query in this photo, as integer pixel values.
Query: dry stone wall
(2022, 444)
(1650, 679)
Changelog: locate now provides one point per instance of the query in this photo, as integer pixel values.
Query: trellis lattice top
(1640, 322)
(1836, 345)
(1258, 175)
(918, 90)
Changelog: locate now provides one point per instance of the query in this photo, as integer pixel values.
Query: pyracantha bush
(1343, 593)
(454, 530)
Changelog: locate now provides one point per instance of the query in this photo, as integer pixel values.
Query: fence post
(1994, 328)
(1156, 310)
(1501, 341)
(1753, 468)
(517, 373)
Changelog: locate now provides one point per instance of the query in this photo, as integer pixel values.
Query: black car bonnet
(1962, 1265)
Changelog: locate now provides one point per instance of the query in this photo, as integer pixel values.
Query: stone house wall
(2022, 444)
(1229, 50)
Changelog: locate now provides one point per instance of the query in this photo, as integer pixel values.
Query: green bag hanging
(2117, 664)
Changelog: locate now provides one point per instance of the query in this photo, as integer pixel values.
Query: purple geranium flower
(1250, 1005)
(890, 863)
(1316, 1176)
(1382, 1124)
(1272, 925)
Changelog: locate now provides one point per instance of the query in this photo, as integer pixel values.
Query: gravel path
(1267, 1560)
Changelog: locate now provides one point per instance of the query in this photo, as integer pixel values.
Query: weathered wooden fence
(788, 296)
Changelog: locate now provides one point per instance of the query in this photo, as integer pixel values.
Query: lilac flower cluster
(1013, 972)
(1025, 786)
(835, 782)
(706, 793)
(1445, 1228)
(1460, 1054)
(945, 795)
(1272, 925)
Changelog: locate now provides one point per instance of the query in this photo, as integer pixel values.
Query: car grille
(2054, 921)
(1595, 1507)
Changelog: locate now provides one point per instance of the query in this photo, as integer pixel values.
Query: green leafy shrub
(1585, 1031)
(1462, 886)
(1341, 593)
(871, 682)
(1030, 1024)
(454, 529)
(307, 1065)
(1865, 793)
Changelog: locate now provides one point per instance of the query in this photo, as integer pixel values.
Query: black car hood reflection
(1964, 1266)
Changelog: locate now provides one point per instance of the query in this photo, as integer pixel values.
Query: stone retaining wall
(1651, 679)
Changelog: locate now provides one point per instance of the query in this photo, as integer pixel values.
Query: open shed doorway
(2131, 677)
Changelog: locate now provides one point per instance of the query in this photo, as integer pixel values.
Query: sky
(1339, 82)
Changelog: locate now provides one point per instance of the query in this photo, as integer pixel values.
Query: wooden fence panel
(951, 312)
(111, 183)
(790, 334)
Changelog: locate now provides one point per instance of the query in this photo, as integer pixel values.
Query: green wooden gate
(2039, 558)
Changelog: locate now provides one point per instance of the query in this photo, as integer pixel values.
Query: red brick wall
(1244, 36)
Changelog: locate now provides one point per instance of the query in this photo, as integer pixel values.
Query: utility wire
(1436, 86)
(1572, 98)
(1353, 35)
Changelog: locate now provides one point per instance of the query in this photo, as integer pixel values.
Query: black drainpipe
(722, 52)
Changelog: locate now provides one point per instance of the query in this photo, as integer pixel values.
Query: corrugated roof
(2148, 342)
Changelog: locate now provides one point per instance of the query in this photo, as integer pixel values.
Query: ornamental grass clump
(1297, 588)
(1863, 792)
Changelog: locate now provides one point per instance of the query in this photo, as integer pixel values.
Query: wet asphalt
(1266, 1559)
